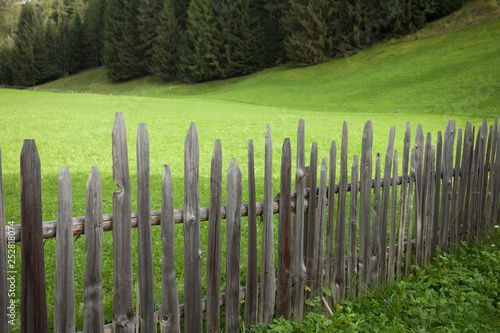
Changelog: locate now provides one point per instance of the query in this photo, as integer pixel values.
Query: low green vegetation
(458, 292)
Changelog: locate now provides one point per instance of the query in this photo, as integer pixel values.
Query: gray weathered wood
(192, 242)
(233, 240)
(283, 301)
(464, 179)
(426, 204)
(489, 170)
(214, 242)
(437, 192)
(352, 258)
(329, 269)
(4, 264)
(93, 312)
(394, 203)
(403, 200)
(319, 234)
(123, 303)
(449, 140)
(365, 206)
(169, 311)
(267, 277)
(419, 192)
(481, 181)
(145, 275)
(489, 212)
(251, 301)
(375, 251)
(496, 180)
(384, 216)
(470, 189)
(64, 296)
(33, 296)
(494, 186)
(311, 220)
(299, 269)
(339, 260)
(409, 210)
(454, 218)
(306, 213)
(431, 184)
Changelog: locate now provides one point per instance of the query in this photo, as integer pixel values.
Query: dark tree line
(199, 40)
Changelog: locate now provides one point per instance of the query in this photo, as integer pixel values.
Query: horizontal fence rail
(447, 193)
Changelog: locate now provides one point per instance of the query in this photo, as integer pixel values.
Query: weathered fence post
(352, 255)
(311, 220)
(426, 201)
(319, 234)
(214, 244)
(329, 268)
(169, 311)
(449, 139)
(409, 212)
(33, 296)
(233, 240)
(285, 235)
(267, 284)
(123, 302)
(394, 202)
(192, 243)
(251, 301)
(404, 199)
(434, 241)
(454, 218)
(299, 269)
(93, 312)
(375, 251)
(464, 180)
(339, 260)
(4, 286)
(145, 275)
(431, 185)
(64, 297)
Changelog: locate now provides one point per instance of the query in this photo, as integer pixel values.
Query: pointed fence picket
(443, 200)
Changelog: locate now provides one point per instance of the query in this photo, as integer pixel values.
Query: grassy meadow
(423, 81)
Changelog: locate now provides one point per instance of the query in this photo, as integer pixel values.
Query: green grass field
(424, 81)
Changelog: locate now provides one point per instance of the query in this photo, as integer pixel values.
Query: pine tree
(75, 53)
(92, 30)
(53, 43)
(273, 29)
(147, 23)
(30, 54)
(6, 74)
(120, 54)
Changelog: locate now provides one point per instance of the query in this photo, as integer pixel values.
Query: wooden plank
(251, 302)
(426, 204)
(437, 195)
(123, 303)
(93, 312)
(233, 241)
(319, 234)
(306, 213)
(192, 243)
(496, 185)
(352, 257)
(464, 180)
(339, 260)
(365, 206)
(267, 285)
(311, 220)
(474, 188)
(5, 304)
(298, 266)
(394, 204)
(470, 189)
(385, 202)
(33, 296)
(480, 181)
(454, 218)
(329, 268)
(283, 303)
(486, 173)
(409, 210)
(145, 275)
(375, 250)
(490, 192)
(169, 312)
(431, 185)
(64, 295)
(449, 139)
(403, 200)
(214, 242)
(419, 192)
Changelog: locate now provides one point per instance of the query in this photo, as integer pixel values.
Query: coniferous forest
(194, 40)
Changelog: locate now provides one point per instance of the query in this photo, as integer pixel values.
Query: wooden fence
(447, 193)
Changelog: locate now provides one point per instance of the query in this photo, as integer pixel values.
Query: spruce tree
(121, 55)
(75, 53)
(30, 54)
(147, 23)
(53, 43)
(92, 30)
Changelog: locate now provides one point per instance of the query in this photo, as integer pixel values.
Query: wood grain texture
(123, 303)
(319, 234)
(4, 286)
(169, 318)
(375, 250)
(298, 266)
(409, 211)
(267, 285)
(464, 179)
(329, 268)
(145, 275)
(233, 241)
(454, 217)
(426, 204)
(393, 226)
(449, 140)
(419, 192)
(431, 185)
(33, 296)
(311, 220)
(340, 232)
(434, 241)
(192, 242)
(251, 301)
(64, 295)
(404, 200)
(352, 255)
(384, 207)
(93, 312)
